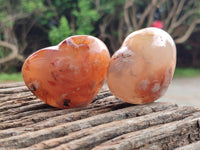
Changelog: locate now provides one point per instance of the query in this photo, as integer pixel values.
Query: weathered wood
(22, 111)
(17, 96)
(167, 136)
(67, 128)
(11, 85)
(193, 146)
(91, 137)
(107, 123)
(59, 119)
(5, 92)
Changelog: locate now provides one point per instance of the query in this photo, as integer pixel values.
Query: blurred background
(26, 26)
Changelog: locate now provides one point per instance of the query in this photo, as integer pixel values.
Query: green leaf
(188, 47)
(85, 17)
(61, 32)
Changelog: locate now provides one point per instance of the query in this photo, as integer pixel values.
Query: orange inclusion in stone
(70, 74)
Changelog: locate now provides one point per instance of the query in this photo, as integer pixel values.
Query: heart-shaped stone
(142, 69)
(70, 74)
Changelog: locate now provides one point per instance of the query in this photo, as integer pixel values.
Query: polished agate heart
(141, 70)
(70, 74)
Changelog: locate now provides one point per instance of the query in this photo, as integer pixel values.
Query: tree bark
(14, 52)
(188, 32)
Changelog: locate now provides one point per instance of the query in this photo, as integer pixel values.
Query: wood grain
(107, 123)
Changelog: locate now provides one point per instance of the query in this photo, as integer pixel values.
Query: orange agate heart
(70, 74)
(141, 70)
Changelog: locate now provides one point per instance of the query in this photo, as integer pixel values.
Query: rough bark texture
(108, 124)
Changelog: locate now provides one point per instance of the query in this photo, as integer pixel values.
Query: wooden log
(11, 85)
(57, 119)
(89, 138)
(107, 123)
(59, 130)
(167, 136)
(18, 103)
(13, 90)
(22, 111)
(193, 146)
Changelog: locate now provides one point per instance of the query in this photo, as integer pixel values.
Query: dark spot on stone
(27, 67)
(28, 62)
(93, 85)
(52, 63)
(52, 83)
(53, 74)
(32, 87)
(101, 82)
(66, 102)
(125, 55)
(170, 70)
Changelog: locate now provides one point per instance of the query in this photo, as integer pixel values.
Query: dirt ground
(183, 91)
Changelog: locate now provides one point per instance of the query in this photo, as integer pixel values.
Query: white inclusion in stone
(63, 96)
(52, 47)
(156, 87)
(70, 66)
(158, 41)
(132, 72)
(143, 85)
(71, 42)
(125, 51)
(74, 67)
(96, 62)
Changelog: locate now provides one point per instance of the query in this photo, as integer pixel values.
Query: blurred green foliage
(188, 47)
(4, 52)
(31, 6)
(51, 21)
(57, 34)
(109, 7)
(12, 10)
(6, 77)
(187, 72)
(84, 17)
